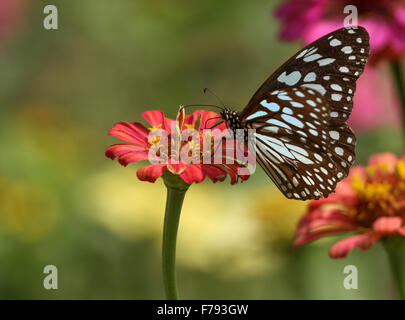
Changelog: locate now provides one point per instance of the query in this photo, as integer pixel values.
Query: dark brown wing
(296, 144)
(331, 65)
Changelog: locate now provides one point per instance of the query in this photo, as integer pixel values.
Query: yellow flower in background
(220, 231)
(217, 233)
(117, 199)
(27, 210)
(277, 215)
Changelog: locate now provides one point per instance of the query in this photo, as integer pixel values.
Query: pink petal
(127, 158)
(232, 174)
(401, 231)
(358, 171)
(327, 217)
(214, 173)
(130, 132)
(117, 150)
(169, 124)
(376, 102)
(387, 225)
(386, 158)
(399, 14)
(380, 35)
(331, 199)
(176, 168)
(188, 120)
(297, 17)
(398, 30)
(192, 173)
(305, 238)
(362, 241)
(205, 115)
(151, 172)
(154, 118)
(314, 31)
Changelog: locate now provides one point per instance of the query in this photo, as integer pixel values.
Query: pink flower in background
(308, 20)
(369, 202)
(376, 102)
(11, 13)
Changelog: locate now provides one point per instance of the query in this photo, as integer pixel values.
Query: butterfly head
(231, 118)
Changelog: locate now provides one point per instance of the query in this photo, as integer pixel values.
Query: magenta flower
(308, 20)
(376, 103)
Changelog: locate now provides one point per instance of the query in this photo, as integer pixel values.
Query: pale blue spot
(257, 114)
(287, 110)
(293, 120)
(312, 57)
(290, 79)
(316, 87)
(296, 104)
(297, 149)
(284, 97)
(301, 158)
(278, 123)
(326, 61)
(276, 145)
(272, 106)
(311, 103)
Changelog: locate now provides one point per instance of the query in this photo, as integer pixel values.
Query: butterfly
(299, 113)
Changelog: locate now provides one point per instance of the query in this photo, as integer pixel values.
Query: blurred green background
(62, 202)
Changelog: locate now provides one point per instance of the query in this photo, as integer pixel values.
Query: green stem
(400, 85)
(394, 246)
(176, 190)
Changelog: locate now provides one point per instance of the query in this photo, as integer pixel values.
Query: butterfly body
(299, 113)
(231, 118)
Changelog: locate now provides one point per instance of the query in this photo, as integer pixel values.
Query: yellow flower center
(382, 193)
(156, 139)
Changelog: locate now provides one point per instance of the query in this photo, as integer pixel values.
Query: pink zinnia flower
(369, 202)
(308, 20)
(140, 144)
(376, 102)
(12, 20)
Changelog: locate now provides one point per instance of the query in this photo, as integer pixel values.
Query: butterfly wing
(302, 139)
(297, 146)
(330, 65)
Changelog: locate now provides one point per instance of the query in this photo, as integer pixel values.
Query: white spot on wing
(257, 114)
(272, 106)
(347, 49)
(312, 57)
(335, 42)
(315, 86)
(290, 79)
(310, 77)
(326, 61)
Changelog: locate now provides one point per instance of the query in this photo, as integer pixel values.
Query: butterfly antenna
(218, 98)
(201, 105)
(209, 119)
